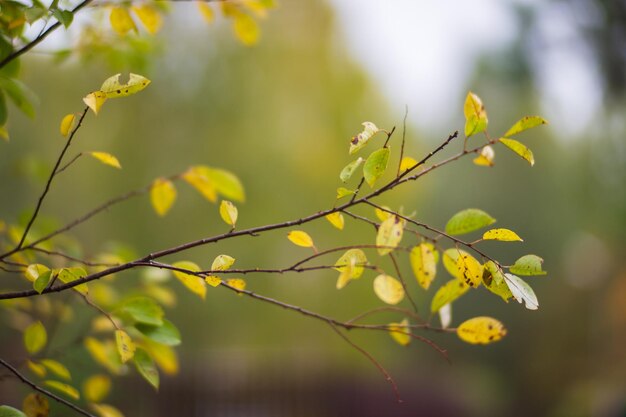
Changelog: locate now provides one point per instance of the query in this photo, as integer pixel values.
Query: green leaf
(167, 334)
(33, 271)
(349, 169)
(20, 95)
(146, 367)
(528, 265)
(522, 292)
(449, 292)
(68, 275)
(64, 16)
(66, 389)
(143, 310)
(525, 123)
(42, 281)
(375, 165)
(467, 221)
(423, 260)
(520, 149)
(360, 140)
(6, 411)
(34, 13)
(475, 115)
(35, 337)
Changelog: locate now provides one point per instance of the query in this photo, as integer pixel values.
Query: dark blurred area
(280, 115)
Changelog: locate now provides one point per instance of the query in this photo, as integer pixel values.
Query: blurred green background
(280, 115)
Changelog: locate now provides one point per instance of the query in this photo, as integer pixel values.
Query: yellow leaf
(107, 159)
(389, 234)
(35, 405)
(197, 178)
(206, 11)
(399, 332)
(388, 289)
(213, 281)
(222, 263)
(346, 274)
(524, 124)
(228, 212)
(336, 219)
(150, 17)
(96, 388)
(382, 214)
(470, 269)
(125, 346)
(237, 283)
(481, 330)
(35, 337)
(343, 192)
(105, 354)
(504, 235)
(95, 100)
(300, 238)
(162, 195)
(485, 158)
(424, 264)
(4, 133)
(37, 369)
(66, 124)
(66, 389)
(56, 368)
(475, 115)
(121, 22)
(193, 282)
(352, 260)
(407, 163)
(246, 29)
(520, 149)
(112, 87)
(105, 410)
(164, 356)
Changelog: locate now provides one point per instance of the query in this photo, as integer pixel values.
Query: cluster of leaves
(125, 19)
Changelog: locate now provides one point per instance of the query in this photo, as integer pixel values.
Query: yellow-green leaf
(146, 367)
(449, 292)
(33, 271)
(246, 29)
(162, 195)
(164, 356)
(56, 368)
(149, 16)
(193, 282)
(504, 235)
(222, 263)
(349, 169)
(481, 330)
(350, 265)
(494, 281)
(104, 354)
(4, 133)
(121, 22)
(336, 219)
(198, 178)
(106, 410)
(125, 346)
(389, 234)
(360, 140)
(66, 124)
(523, 124)
(300, 238)
(237, 283)
(228, 212)
(388, 289)
(35, 337)
(67, 275)
(486, 156)
(226, 183)
(399, 332)
(167, 334)
(475, 115)
(96, 388)
(467, 221)
(375, 165)
(107, 159)
(35, 405)
(407, 163)
(423, 260)
(66, 389)
(205, 10)
(344, 192)
(95, 100)
(520, 149)
(521, 291)
(112, 87)
(37, 369)
(8, 411)
(528, 265)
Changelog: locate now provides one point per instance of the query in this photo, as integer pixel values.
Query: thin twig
(386, 308)
(68, 257)
(42, 390)
(402, 281)
(406, 113)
